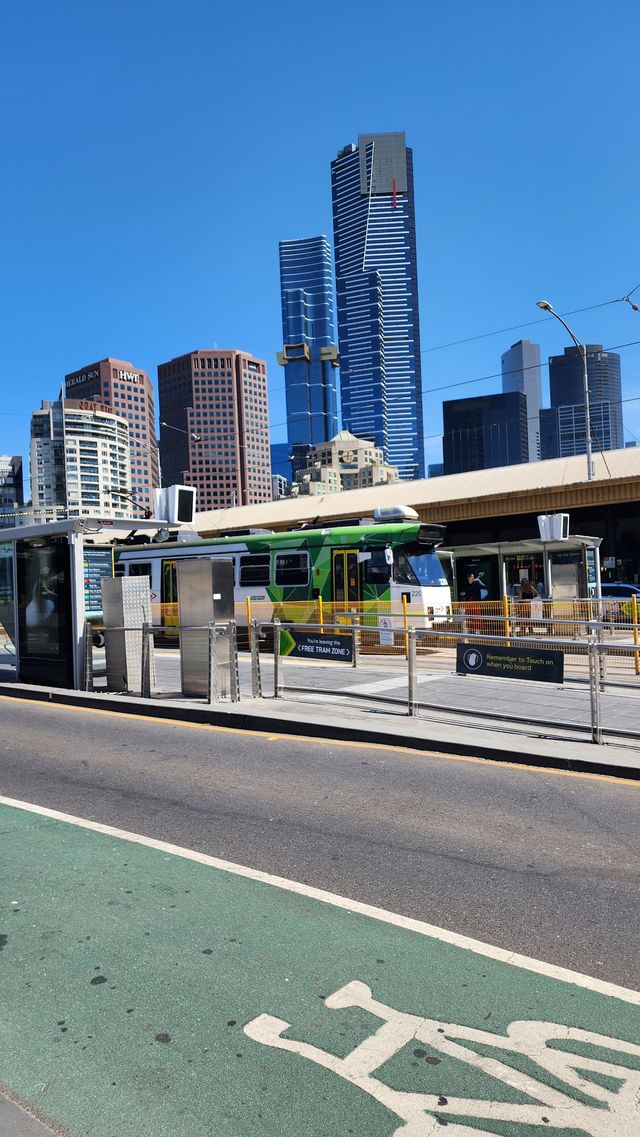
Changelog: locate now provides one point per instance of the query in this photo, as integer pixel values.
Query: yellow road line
(350, 743)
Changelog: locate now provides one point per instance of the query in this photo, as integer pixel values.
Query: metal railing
(143, 667)
(387, 624)
(594, 645)
(343, 638)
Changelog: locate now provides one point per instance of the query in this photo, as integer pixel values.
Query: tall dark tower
(377, 297)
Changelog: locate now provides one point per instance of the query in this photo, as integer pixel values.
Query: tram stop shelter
(560, 570)
(50, 585)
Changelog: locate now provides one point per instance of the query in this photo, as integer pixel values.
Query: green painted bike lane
(144, 993)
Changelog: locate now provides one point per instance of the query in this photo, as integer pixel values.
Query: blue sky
(155, 153)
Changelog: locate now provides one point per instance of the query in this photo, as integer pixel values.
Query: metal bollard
(145, 676)
(212, 673)
(254, 645)
(594, 692)
(602, 659)
(354, 635)
(234, 678)
(412, 671)
(87, 660)
(276, 659)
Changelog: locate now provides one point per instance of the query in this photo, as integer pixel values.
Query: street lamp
(547, 307)
(189, 433)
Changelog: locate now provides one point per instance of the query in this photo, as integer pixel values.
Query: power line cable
(517, 327)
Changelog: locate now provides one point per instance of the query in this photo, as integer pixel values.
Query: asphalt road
(539, 863)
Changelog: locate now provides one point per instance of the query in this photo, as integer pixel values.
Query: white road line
(550, 970)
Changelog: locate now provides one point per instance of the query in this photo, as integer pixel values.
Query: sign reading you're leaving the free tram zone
(315, 645)
(510, 662)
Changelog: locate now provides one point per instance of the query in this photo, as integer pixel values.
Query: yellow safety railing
(383, 627)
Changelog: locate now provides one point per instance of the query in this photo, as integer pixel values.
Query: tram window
(376, 569)
(292, 568)
(255, 569)
(141, 569)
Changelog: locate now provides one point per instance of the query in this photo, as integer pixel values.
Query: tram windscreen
(419, 569)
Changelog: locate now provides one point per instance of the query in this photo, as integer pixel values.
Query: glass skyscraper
(521, 372)
(309, 354)
(377, 297)
(562, 426)
(485, 431)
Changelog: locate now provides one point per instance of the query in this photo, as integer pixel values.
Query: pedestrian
(527, 593)
(474, 587)
(472, 597)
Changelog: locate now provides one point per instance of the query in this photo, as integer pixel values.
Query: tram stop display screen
(44, 611)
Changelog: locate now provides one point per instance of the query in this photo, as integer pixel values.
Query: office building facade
(521, 372)
(377, 297)
(11, 488)
(563, 425)
(215, 426)
(309, 354)
(281, 460)
(129, 391)
(79, 461)
(344, 463)
(563, 432)
(486, 431)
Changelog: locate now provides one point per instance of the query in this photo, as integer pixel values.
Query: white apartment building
(80, 461)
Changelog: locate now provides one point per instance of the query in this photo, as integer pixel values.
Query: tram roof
(555, 484)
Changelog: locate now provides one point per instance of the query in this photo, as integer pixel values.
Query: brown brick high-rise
(214, 402)
(129, 391)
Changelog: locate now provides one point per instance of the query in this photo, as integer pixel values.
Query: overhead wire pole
(547, 307)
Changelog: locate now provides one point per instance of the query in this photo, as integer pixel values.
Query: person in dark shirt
(474, 587)
(472, 596)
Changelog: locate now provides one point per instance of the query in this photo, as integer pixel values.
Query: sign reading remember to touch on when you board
(510, 662)
(314, 645)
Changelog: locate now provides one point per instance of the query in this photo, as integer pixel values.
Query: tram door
(169, 595)
(346, 576)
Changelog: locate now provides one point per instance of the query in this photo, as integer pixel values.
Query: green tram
(381, 559)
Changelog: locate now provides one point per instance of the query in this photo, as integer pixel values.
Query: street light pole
(547, 307)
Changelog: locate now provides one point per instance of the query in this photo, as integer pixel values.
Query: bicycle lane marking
(149, 989)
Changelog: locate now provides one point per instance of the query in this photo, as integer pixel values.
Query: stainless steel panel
(205, 595)
(126, 606)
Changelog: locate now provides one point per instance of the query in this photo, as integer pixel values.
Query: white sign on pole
(385, 633)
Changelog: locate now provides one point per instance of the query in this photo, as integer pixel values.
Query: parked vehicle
(619, 590)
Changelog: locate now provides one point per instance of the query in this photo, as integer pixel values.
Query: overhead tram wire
(513, 328)
(532, 323)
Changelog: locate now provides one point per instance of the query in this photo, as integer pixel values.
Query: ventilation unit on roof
(387, 514)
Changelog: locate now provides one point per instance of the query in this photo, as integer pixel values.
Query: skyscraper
(309, 354)
(485, 431)
(521, 372)
(377, 297)
(215, 426)
(563, 424)
(11, 490)
(79, 461)
(129, 391)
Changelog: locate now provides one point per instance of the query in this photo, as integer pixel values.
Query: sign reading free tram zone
(510, 662)
(314, 645)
